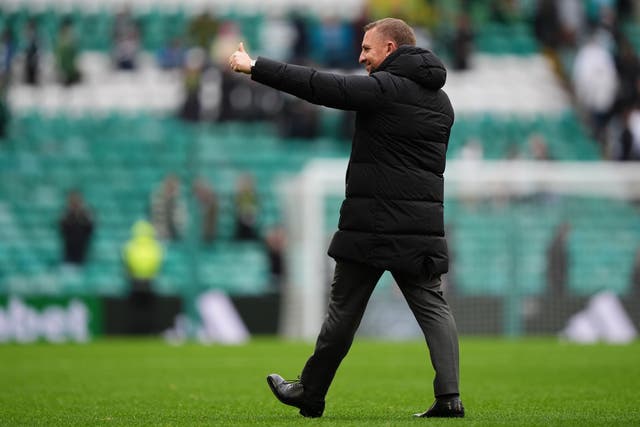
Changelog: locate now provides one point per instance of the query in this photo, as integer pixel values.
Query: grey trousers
(350, 291)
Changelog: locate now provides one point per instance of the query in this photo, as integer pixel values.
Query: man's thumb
(241, 47)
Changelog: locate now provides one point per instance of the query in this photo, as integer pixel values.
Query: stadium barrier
(80, 318)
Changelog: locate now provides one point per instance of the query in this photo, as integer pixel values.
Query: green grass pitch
(537, 382)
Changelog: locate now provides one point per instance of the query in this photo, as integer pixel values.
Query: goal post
(306, 200)
(303, 199)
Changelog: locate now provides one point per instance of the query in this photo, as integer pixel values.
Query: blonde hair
(395, 29)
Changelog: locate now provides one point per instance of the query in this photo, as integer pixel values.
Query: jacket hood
(417, 64)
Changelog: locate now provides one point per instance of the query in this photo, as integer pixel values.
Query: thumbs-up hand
(240, 61)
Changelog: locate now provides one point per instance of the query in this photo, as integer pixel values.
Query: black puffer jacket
(392, 216)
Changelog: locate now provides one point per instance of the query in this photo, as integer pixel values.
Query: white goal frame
(303, 200)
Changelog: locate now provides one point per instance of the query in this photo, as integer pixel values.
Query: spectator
(66, 54)
(246, 209)
(168, 211)
(4, 110)
(606, 26)
(629, 141)
(301, 40)
(281, 35)
(462, 43)
(208, 202)
(192, 78)
(202, 30)
(142, 256)
(547, 25)
(635, 275)
(628, 67)
(76, 229)
(7, 52)
(336, 39)
(595, 82)
(171, 55)
(126, 40)
(572, 18)
(625, 9)
(558, 261)
(275, 242)
(32, 54)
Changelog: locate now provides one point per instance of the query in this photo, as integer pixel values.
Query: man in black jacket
(392, 215)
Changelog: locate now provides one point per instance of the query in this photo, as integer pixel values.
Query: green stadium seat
(118, 159)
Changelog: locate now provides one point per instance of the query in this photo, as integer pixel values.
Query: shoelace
(295, 384)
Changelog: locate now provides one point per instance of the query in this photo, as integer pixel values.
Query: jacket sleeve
(331, 90)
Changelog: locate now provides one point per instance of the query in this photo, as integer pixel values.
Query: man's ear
(391, 46)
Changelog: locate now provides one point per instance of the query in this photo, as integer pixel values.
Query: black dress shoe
(444, 408)
(292, 393)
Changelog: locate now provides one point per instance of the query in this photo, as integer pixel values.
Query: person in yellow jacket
(142, 256)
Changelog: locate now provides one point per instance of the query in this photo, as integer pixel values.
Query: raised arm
(332, 90)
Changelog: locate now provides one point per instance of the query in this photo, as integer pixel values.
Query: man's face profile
(374, 50)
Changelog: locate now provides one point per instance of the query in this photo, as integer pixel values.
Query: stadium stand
(602, 242)
(115, 135)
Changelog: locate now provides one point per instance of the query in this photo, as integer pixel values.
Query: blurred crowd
(167, 222)
(587, 41)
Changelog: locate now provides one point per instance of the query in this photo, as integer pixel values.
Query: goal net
(529, 243)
